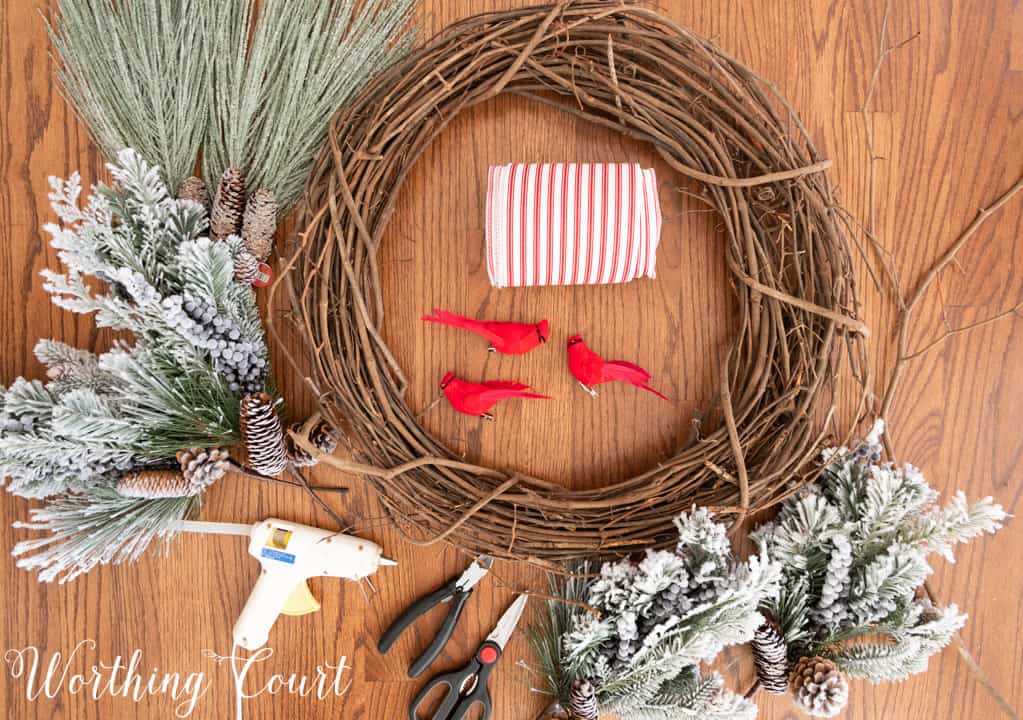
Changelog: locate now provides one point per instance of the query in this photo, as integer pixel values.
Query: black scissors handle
(421, 606)
(457, 701)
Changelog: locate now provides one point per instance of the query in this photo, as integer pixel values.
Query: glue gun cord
(237, 685)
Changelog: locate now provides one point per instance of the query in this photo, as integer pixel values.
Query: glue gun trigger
(301, 601)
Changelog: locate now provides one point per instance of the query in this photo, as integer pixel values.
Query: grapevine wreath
(711, 119)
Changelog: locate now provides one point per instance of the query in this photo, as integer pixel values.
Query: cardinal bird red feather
(591, 369)
(477, 398)
(510, 338)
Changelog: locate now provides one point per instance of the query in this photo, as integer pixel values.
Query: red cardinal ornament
(477, 398)
(509, 338)
(591, 369)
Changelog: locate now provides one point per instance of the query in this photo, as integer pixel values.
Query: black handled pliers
(456, 592)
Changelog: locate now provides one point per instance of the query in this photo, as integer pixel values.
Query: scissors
(468, 686)
(456, 592)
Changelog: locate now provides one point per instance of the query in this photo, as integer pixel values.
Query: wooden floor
(946, 120)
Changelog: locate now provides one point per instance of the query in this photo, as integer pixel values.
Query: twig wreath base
(711, 119)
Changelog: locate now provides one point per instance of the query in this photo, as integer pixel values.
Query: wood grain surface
(948, 138)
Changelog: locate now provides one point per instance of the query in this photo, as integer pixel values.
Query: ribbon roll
(571, 223)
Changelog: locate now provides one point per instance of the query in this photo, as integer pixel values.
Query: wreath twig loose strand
(711, 119)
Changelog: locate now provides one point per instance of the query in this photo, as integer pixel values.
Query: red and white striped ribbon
(571, 223)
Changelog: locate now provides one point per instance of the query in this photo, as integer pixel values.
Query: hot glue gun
(289, 554)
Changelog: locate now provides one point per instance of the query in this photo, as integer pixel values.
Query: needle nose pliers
(456, 592)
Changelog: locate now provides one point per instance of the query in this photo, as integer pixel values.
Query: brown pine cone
(324, 438)
(246, 267)
(554, 711)
(262, 434)
(194, 189)
(204, 466)
(930, 614)
(260, 223)
(818, 688)
(770, 657)
(228, 206)
(153, 484)
(582, 701)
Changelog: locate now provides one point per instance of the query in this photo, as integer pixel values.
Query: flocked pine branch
(137, 73)
(197, 347)
(167, 283)
(185, 404)
(854, 550)
(279, 70)
(659, 618)
(695, 695)
(95, 527)
(699, 636)
(53, 441)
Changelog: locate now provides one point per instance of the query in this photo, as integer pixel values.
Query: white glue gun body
(289, 554)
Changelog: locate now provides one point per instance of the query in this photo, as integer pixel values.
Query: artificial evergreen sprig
(95, 527)
(854, 549)
(252, 83)
(659, 618)
(138, 74)
(65, 435)
(279, 69)
(198, 346)
(168, 284)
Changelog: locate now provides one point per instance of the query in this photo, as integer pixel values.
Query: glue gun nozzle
(387, 562)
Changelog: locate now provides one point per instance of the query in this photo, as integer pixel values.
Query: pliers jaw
(474, 573)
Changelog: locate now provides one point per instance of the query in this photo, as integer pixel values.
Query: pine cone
(194, 189)
(323, 436)
(260, 223)
(153, 484)
(246, 267)
(262, 434)
(554, 711)
(929, 614)
(204, 466)
(226, 216)
(770, 656)
(582, 701)
(818, 688)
